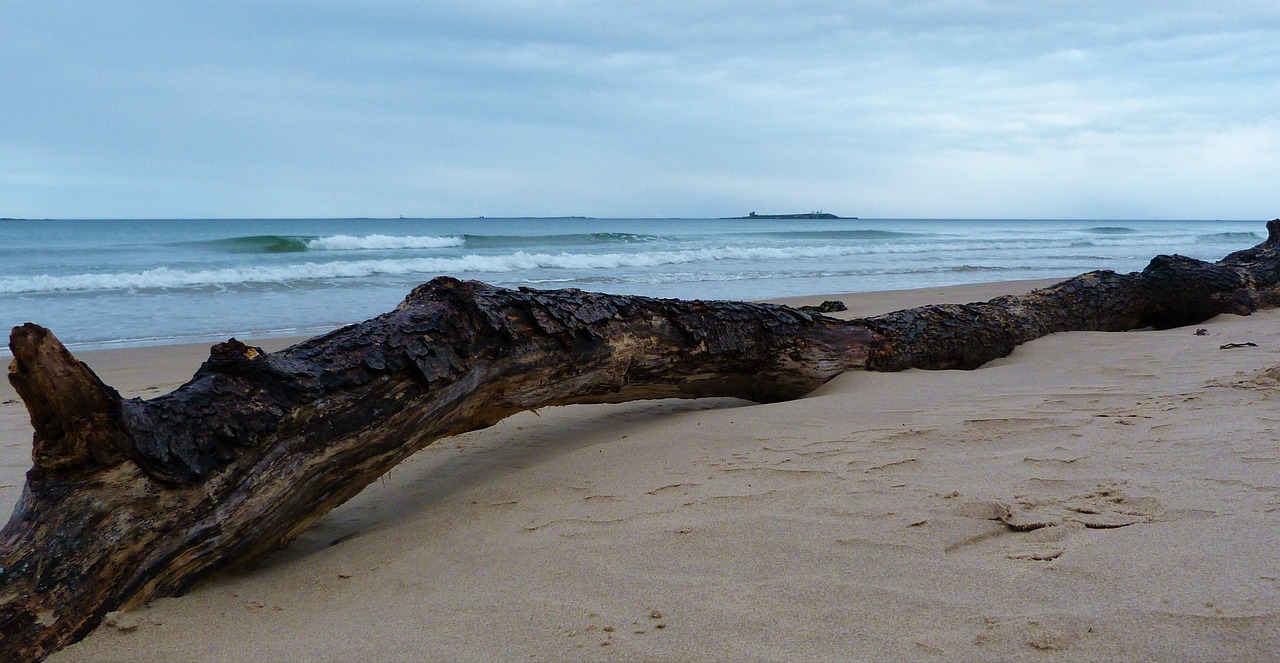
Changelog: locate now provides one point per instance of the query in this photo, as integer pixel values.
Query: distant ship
(806, 215)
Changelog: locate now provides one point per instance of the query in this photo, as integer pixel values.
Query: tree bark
(129, 500)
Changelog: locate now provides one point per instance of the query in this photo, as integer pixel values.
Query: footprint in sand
(1105, 508)
(1039, 528)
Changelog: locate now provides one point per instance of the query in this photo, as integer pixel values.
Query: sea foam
(165, 277)
(480, 263)
(382, 242)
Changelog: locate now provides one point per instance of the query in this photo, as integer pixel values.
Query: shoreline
(1050, 503)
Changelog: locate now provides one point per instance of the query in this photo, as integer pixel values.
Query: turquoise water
(104, 283)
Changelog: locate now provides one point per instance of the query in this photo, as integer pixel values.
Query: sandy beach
(1092, 496)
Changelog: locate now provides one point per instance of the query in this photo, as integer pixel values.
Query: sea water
(104, 283)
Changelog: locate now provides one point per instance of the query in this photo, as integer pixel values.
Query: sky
(878, 109)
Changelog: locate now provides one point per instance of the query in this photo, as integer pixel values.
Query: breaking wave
(302, 243)
(255, 244)
(165, 277)
(570, 239)
(323, 271)
(1110, 230)
(382, 242)
(1232, 237)
(843, 234)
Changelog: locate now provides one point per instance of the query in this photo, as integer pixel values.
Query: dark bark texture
(129, 500)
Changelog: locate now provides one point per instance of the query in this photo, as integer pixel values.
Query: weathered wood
(129, 500)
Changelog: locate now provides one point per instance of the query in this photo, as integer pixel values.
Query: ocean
(110, 283)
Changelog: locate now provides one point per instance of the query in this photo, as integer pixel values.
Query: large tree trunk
(129, 500)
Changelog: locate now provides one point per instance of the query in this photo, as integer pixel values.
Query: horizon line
(603, 218)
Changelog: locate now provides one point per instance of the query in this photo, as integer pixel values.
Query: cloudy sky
(895, 108)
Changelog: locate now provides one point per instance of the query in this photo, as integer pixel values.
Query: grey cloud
(520, 106)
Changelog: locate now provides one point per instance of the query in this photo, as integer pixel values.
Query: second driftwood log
(129, 500)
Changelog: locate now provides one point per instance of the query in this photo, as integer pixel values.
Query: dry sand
(1091, 497)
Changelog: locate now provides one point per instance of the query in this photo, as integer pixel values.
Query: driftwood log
(129, 500)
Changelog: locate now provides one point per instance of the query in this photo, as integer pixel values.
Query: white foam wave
(1163, 242)
(382, 242)
(164, 277)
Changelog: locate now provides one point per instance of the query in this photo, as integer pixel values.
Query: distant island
(806, 215)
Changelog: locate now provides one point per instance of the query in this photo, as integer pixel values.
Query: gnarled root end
(75, 415)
